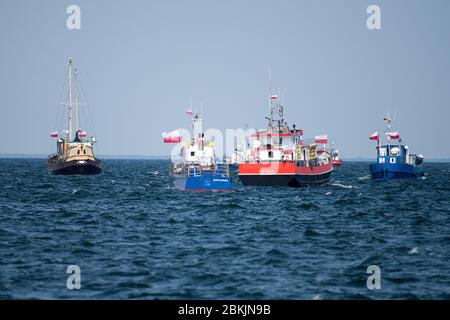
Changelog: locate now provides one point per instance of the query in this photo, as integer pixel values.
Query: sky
(140, 62)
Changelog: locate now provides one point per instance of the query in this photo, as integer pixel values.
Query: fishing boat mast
(69, 138)
(388, 120)
(76, 98)
(270, 92)
(197, 127)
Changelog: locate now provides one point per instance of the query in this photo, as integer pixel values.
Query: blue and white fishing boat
(197, 168)
(394, 159)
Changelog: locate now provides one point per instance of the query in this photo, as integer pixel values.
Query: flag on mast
(393, 135)
(171, 137)
(54, 134)
(374, 136)
(274, 97)
(321, 139)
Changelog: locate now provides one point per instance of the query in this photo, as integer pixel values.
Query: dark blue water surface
(134, 237)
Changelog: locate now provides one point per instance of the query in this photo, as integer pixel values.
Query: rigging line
(59, 98)
(84, 123)
(83, 116)
(83, 95)
(63, 114)
(83, 98)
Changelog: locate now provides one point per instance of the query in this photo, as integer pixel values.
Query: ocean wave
(340, 185)
(309, 232)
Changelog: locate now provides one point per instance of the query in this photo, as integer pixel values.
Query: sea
(128, 234)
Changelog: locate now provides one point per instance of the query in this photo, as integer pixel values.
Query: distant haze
(140, 62)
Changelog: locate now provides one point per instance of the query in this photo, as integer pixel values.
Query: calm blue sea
(134, 237)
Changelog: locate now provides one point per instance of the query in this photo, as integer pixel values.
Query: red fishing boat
(279, 156)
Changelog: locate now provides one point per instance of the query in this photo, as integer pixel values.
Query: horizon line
(161, 157)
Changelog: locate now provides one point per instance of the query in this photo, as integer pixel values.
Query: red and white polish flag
(189, 112)
(274, 97)
(82, 134)
(374, 136)
(54, 134)
(393, 135)
(171, 137)
(321, 139)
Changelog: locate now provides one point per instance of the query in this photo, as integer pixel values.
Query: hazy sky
(141, 61)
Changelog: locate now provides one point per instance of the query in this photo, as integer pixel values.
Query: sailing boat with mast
(75, 153)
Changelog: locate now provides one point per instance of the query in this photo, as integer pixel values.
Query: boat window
(392, 160)
(78, 151)
(192, 153)
(394, 151)
(270, 154)
(84, 151)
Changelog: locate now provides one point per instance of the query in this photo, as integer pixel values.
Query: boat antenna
(270, 94)
(280, 106)
(281, 96)
(388, 120)
(270, 81)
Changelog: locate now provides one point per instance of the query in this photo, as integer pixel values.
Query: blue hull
(394, 171)
(214, 183)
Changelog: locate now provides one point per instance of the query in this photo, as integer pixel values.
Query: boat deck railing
(307, 142)
(191, 170)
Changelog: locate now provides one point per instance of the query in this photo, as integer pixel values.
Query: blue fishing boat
(197, 168)
(193, 177)
(394, 159)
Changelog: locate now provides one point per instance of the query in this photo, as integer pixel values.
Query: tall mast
(388, 120)
(270, 94)
(70, 99)
(76, 99)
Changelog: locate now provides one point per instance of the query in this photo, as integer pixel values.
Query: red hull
(336, 163)
(284, 174)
